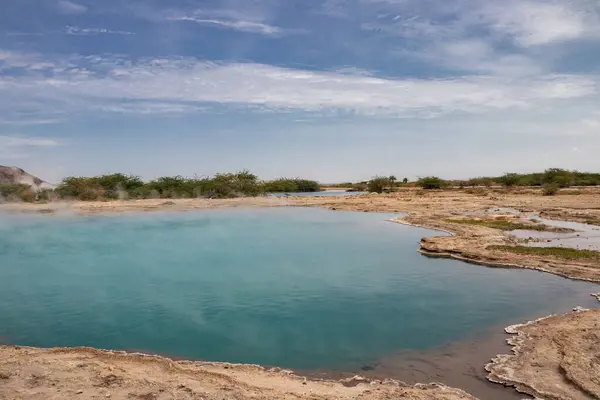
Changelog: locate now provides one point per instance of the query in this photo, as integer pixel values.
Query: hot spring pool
(292, 287)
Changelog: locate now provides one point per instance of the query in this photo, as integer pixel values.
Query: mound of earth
(15, 175)
(555, 358)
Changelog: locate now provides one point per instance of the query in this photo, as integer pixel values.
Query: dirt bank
(555, 358)
(28, 373)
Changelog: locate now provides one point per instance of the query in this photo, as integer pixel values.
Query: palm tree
(392, 180)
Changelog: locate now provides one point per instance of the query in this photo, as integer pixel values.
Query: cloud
(69, 7)
(151, 108)
(11, 142)
(535, 22)
(27, 61)
(74, 30)
(100, 82)
(476, 56)
(19, 147)
(30, 121)
(524, 22)
(509, 38)
(238, 25)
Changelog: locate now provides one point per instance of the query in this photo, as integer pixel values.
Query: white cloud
(186, 83)
(536, 22)
(11, 142)
(525, 22)
(152, 108)
(30, 121)
(476, 56)
(74, 30)
(31, 62)
(69, 7)
(238, 25)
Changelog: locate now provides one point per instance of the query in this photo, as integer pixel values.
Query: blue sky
(327, 89)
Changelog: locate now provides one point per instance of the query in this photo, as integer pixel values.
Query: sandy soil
(28, 373)
(557, 357)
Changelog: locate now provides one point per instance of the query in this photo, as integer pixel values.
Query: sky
(333, 90)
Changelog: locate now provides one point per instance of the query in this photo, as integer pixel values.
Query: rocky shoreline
(555, 357)
(86, 373)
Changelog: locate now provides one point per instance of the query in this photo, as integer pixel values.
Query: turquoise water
(299, 288)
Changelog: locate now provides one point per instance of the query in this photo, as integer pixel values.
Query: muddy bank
(556, 357)
(459, 364)
(29, 373)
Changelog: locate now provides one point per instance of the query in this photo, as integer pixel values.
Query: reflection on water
(320, 194)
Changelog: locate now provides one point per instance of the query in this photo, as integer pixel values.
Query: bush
(378, 184)
(431, 182)
(17, 192)
(287, 185)
(509, 179)
(558, 177)
(550, 189)
(563, 178)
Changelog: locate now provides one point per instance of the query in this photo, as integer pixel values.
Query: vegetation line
(121, 186)
(509, 225)
(558, 252)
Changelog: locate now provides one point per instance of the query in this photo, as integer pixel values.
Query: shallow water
(585, 237)
(324, 193)
(298, 288)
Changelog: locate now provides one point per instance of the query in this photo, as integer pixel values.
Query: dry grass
(558, 252)
(509, 225)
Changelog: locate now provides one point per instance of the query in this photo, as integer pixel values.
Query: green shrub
(431, 182)
(550, 189)
(17, 192)
(378, 184)
(287, 185)
(563, 178)
(509, 179)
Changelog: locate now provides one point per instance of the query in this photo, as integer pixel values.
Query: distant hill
(15, 175)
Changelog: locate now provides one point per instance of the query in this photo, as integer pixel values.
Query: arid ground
(554, 358)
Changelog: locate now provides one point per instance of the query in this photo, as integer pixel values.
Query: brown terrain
(28, 373)
(555, 358)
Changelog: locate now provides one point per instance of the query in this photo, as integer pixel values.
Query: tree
(405, 181)
(558, 176)
(392, 180)
(510, 179)
(550, 189)
(378, 184)
(431, 182)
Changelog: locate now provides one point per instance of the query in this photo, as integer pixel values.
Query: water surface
(324, 193)
(292, 287)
